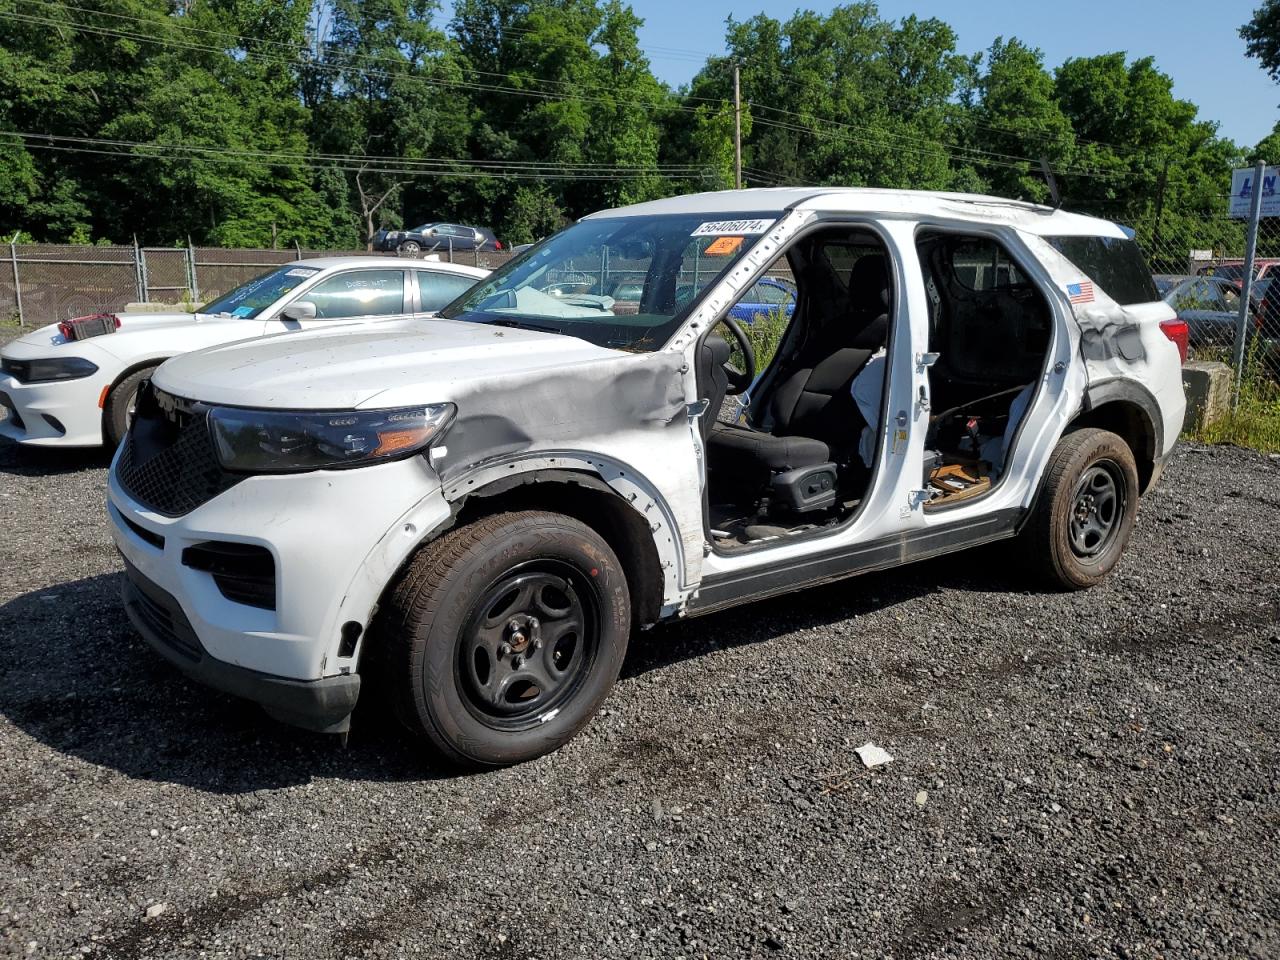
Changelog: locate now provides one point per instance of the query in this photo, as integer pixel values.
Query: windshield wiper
(524, 325)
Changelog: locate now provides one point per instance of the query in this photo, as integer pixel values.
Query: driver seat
(816, 423)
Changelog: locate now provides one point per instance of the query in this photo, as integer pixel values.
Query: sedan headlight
(277, 441)
(48, 370)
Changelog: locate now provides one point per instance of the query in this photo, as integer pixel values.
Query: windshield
(624, 283)
(250, 299)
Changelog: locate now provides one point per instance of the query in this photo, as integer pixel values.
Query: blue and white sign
(1242, 187)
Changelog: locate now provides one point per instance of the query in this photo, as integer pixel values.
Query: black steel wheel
(528, 645)
(503, 637)
(1097, 510)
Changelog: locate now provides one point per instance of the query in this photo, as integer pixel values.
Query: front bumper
(60, 413)
(336, 539)
(324, 705)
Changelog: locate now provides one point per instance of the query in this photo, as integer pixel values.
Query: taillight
(1177, 331)
(497, 244)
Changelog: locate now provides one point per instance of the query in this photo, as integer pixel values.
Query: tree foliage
(253, 122)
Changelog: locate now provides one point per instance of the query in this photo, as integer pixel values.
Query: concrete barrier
(155, 308)
(1207, 384)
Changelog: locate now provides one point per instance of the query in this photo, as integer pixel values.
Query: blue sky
(1196, 43)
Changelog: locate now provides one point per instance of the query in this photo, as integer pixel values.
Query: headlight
(46, 371)
(272, 441)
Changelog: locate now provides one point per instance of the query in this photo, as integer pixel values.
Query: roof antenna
(1052, 182)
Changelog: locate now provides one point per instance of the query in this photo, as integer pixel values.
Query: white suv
(476, 511)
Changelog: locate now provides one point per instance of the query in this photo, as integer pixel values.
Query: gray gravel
(1087, 775)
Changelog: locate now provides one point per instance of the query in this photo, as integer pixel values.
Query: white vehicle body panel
(530, 402)
(145, 339)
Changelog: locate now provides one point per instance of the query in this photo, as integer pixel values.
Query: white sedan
(73, 384)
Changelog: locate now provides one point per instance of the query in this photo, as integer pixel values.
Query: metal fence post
(192, 283)
(297, 246)
(17, 286)
(139, 280)
(1250, 248)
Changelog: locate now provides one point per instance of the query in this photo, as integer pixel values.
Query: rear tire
(117, 412)
(503, 637)
(1084, 512)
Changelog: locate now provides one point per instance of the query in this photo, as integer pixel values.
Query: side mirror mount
(301, 310)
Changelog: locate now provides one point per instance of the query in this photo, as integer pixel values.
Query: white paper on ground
(873, 756)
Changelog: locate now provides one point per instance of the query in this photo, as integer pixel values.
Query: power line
(357, 163)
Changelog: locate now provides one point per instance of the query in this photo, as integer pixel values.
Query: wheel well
(1131, 423)
(589, 499)
(127, 372)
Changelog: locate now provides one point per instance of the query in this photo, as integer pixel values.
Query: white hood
(404, 362)
(144, 335)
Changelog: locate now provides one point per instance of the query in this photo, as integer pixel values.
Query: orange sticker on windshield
(723, 246)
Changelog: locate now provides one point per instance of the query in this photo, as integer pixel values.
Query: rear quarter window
(1113, 263)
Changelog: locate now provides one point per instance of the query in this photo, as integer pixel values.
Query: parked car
(74, 384)
(469, 515)
(1210, 305)
(768, 295)
(1234, 269)
(437, 237)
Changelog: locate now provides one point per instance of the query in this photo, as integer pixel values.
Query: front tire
(410, 247)
(1085, 510)
(503, 637)
(117, 412)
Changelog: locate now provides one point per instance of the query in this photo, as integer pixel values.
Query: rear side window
(437, 289)
(1114, 263)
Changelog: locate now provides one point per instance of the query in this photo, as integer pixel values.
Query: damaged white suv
(476, 511)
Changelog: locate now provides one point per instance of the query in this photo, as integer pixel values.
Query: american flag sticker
(1081, 292)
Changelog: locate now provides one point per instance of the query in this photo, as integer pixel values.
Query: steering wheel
(740, 380)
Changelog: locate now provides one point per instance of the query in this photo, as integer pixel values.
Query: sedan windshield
(625, 282)
(250, 299)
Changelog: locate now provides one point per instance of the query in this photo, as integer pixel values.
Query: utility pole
(1164, 182)
(737, 129)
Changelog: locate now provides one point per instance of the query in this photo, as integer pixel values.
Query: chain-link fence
(46, 283)
(1199, 265)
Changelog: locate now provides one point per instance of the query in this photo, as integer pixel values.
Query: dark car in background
(1210, 305)
(437, 238)
(1234, 269)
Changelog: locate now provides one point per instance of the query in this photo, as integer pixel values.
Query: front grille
(160, 615)
(243, 572)
(168, 462)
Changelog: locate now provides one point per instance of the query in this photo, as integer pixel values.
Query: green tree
(845, 98)
(1014, 113)
(1262, 37)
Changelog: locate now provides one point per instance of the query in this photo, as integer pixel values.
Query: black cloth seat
(740, 445)
(815, 419)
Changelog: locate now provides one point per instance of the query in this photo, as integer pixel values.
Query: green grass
(765, 332)
(1255, 421)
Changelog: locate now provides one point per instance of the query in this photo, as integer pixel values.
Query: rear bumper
(324, 705)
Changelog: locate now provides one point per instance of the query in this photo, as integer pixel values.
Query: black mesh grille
(168, 462)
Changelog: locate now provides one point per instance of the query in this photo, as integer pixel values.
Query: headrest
(874, 335)
(869, 284)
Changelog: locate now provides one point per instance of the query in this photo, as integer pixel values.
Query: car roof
(899, 204)
(373, 262)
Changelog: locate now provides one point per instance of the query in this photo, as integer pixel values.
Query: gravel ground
(1086, 775)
